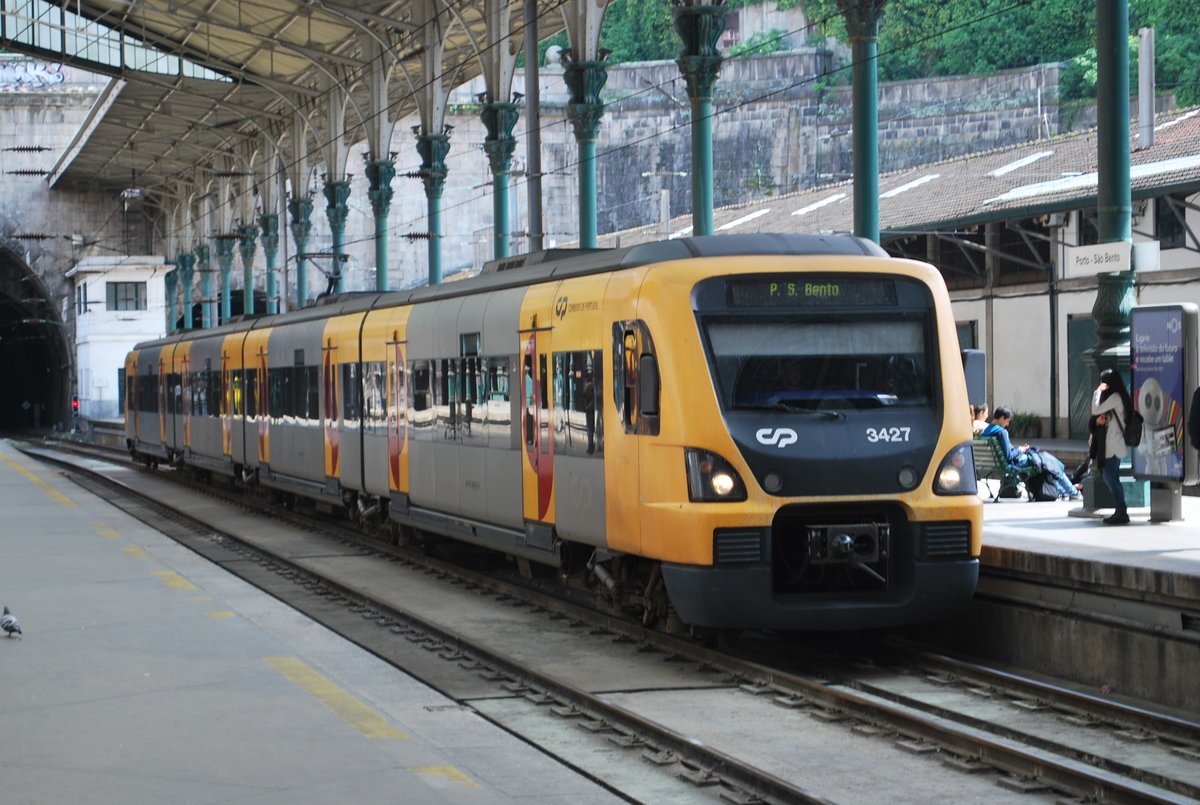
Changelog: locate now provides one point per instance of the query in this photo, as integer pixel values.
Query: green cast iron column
(862, 23)
(380, 173)
(584, 80)
(499, 120)
(1115, 292)
(170, 280)
(269, 224)
(433, 149)
(337, 192)
(225, 264)
(246, 235)
(1114, 202)
(204, 266)
(300, 211)
(700, 28)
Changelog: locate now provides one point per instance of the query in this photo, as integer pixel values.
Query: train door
(182, 393)
(537, 434)
(166, 402)
(256, 446)
(635, 399)
(330, 409)
(131, 396)
(397, 411)
(242, 392)
(227, 397)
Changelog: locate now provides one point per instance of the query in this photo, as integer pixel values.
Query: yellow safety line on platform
(134, 550)
(174, 580)
(449, 772)
(39, 483)
(348, 708)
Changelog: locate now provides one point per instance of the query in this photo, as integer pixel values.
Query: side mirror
(974, 363)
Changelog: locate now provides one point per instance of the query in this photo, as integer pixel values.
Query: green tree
(639, 30)
(923, 38)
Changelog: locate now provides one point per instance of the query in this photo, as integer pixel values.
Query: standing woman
(1112, 399)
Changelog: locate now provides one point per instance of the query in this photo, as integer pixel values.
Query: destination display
(816, 291)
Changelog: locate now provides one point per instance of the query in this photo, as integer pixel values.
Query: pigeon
(9, 623)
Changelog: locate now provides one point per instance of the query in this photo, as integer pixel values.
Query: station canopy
(195, 81)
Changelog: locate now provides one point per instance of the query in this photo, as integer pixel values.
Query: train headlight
(711, 478)
(956, 475)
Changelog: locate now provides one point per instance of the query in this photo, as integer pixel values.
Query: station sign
(1087, 261)
(1163, 363)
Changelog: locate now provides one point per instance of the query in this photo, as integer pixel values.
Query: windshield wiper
(824, 413)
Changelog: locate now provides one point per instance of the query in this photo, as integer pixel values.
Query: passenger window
(578, 404)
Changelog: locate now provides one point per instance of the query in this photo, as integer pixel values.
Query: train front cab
(857, 532)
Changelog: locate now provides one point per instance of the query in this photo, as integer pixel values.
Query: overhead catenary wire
(456, 157)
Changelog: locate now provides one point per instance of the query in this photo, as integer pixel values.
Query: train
(722, 432)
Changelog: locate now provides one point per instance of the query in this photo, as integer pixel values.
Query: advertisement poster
(1158, 368)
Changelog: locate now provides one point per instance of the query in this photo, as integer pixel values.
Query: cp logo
(776, 437)
(560, 306)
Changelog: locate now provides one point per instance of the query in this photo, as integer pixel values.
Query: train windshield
(796, 364)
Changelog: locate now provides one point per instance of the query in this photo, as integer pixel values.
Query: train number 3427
(887, 434)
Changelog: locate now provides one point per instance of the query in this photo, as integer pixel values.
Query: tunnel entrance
(35, 358)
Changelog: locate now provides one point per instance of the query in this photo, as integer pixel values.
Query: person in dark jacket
(1112, 399)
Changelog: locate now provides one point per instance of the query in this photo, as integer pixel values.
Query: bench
(992, 465)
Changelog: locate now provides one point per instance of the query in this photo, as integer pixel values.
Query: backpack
(1041, 487)
(1133, 431)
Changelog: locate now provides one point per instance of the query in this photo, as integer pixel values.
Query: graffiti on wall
(16, 75)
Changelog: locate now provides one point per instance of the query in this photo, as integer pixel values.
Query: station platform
(1058, 540)
(145, 673)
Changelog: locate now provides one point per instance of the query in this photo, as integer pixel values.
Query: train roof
(552, 264)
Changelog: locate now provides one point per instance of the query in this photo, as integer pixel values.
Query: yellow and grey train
(760, 431)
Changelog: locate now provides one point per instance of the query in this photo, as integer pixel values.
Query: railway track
(660, 719)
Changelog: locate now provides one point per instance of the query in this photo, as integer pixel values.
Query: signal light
(75, 403)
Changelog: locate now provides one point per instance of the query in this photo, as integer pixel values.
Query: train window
(446, 395)
(420, 414)
(373, 409)
(279, 382)
(578, 406)
(147, 393)
(472, 412)
(351, 394)
(236, 386)
(530, 419)
(828, 364)
(216, 391)
(312, 395)
(198, 393)
(496, 402)
(544, 420)
(631, 345)
(250, 378)
(174, 393)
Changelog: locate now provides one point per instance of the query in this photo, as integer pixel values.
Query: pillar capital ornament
(700, 27)
(433, 149)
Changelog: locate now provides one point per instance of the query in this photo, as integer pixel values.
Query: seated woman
(1024, 455)
(979, 419)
